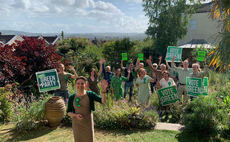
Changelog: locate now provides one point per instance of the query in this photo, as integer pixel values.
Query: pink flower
(218, 99)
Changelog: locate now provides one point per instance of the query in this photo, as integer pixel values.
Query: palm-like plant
(221, 54)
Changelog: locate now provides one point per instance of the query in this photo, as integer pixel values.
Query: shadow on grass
(189, 137)
(28, 135)
(123, 132)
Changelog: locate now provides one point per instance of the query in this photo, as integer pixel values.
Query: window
(192, 24)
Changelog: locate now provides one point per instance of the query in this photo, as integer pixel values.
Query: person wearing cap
(159, 73)
(129, 82)
(182, 74)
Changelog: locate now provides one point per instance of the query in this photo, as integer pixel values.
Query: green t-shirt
(63, 78)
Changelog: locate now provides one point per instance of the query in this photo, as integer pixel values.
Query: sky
(73, 16)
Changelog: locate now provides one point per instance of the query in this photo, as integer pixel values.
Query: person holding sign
(182, 74)
(139, 64)
(165, 82)
(93, 79)
(142, 83)
(116, 84)
(197, 73)
(63, 78)
(80, 107)
(129, 83)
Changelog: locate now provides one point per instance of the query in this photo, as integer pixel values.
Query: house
(10, 39)
(202, 27)
(202, 31)
(50, 40)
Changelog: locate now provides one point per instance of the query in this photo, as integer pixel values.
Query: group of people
(81, 103)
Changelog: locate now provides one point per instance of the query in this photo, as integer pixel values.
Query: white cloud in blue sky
(73, 16)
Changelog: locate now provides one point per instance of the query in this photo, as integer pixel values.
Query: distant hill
(105, 36)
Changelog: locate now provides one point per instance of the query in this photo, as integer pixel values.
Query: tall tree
(168, 21)
(112, 51)
(221, 54)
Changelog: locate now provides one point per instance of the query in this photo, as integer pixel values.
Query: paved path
(168, 126)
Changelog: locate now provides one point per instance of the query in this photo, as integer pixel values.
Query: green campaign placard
(168, 95)
(141, 56)
(173, 51)
(124, 56)
(201, 56)
(205, 86)
(48, 80)
(197, 87)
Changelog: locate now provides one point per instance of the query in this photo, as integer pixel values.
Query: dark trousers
(64, 94)
(152, 85)
(129, 85)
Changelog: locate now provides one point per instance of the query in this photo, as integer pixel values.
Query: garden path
(168, 126)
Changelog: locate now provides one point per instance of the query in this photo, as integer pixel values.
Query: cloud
(82, 15)
(135, 1)
(23, 4)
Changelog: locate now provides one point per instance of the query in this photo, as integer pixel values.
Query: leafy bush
(122, 116)
(203, 117)
(115, 48)
(29, 118)
(10, 65)
(5, 105)
(176, 112)
(28, 57)
(81, 53)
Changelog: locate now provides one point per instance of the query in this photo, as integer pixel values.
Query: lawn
(64, 134)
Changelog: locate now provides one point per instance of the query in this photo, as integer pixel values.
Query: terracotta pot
(55, 110)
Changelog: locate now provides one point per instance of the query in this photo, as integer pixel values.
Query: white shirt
(164, 83)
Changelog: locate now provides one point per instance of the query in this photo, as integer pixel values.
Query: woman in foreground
(80, 107)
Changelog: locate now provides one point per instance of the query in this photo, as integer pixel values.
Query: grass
(65, 134)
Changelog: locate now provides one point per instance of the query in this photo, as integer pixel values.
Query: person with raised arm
(182, 74)
(116, 83)
(92, 80)
(63, 78)
(128, 83)
(159, 73)
(80, 107)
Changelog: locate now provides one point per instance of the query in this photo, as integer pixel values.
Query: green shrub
(176, 112)
(122, 116)
(5, 105)
(32, 117)
(203, 117)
